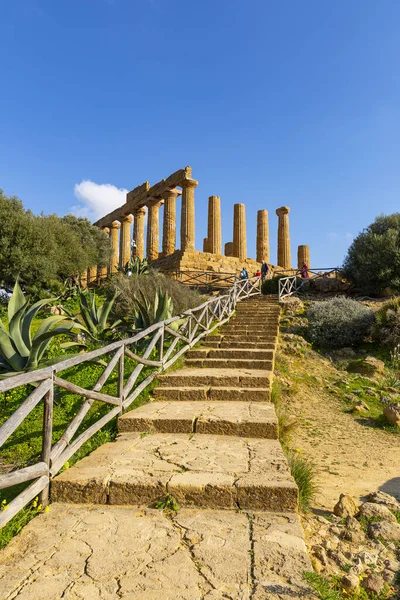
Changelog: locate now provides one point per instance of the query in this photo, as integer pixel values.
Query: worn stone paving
(209, 439)
(108, 552)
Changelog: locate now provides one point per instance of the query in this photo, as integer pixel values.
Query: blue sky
(272, 102)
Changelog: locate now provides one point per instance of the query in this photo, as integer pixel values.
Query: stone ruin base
(195, 260)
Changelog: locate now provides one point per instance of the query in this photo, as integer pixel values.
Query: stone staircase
(209, 439)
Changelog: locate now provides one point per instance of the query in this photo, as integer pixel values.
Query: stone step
(229, 363)
(247, 344)
(233, 337)
(225, 394)
(208, 471)
(258, 353)
(207, 377)
(253, 331)
(244, 419)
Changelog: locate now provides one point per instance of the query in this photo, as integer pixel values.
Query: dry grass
(182, 296)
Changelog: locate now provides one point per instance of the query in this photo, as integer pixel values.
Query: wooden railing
(288, 286)
(205, 279)
(160, 346)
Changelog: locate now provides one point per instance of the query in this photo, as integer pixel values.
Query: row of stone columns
(121, 244)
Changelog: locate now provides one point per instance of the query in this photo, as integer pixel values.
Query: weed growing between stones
(302, 470)
(167, 503)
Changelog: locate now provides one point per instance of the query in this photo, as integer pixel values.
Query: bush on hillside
(339, 322)
(182, 296)
(373, 259)
(271, 286)
(386, 329)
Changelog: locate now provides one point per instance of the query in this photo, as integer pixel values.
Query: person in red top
(304, 272)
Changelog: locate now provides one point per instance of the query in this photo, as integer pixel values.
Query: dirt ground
(351, 455)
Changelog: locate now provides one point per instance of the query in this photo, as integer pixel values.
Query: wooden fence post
(47, 437)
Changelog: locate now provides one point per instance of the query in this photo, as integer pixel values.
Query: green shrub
(271, 286)
(133, 287)
(386, 329)
(373, 259)
(339, 322)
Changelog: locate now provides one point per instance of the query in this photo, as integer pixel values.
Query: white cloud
(97, 199)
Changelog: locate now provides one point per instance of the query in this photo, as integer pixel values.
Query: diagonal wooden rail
(168, 340)
(293, 284)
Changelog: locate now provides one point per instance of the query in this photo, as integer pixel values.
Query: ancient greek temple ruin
(148, 199)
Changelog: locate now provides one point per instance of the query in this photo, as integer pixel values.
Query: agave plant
(135, 266)
(95, 318)
(147, 314)
(21, 351)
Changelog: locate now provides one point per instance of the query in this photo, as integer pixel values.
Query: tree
(373, 259)
(44, 250)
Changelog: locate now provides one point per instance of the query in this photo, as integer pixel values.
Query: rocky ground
(353, 452)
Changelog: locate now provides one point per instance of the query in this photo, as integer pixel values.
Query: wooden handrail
(193, 325)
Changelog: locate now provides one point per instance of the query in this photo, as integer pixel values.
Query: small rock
(368, 558)
(385, 499)
(56, 310)
(371, 392)
(387, 400)
(354, 532)
(361, 406)
(392, 565)
(339, 558)
(345, 507)
(320, 553)
(317, 564)
(389, 576)
(367, 366)
(350, 582)
(336, 530)
(392, 413)
(386, 530)
(370, 509)
(373, 584)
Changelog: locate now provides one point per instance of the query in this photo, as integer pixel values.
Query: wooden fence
(181, 332)
(288, 286)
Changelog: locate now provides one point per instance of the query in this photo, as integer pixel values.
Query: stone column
(239, 231)
(214, 235)
(125, 241)
(92, 274)
(205, 245)
(303, 256)
(284, 259)
(169, 222)
(153, 230)
(115, 225)
(262, 236)
(102, 271)
(229, 249)
(138, 233)
(187, 214)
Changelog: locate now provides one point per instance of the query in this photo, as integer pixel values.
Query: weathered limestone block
(125, 240)
(262, 236)
(284, 259)
(303, 256)
(138, 233)
(214, 234)
(239, 231)
(115, 225)
(187, 214)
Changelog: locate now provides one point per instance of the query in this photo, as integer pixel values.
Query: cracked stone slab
(222, 418)
(103, 553)
(198, 393)
(258, 353)
(200, 469)
(218, 377)
(230, 363)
